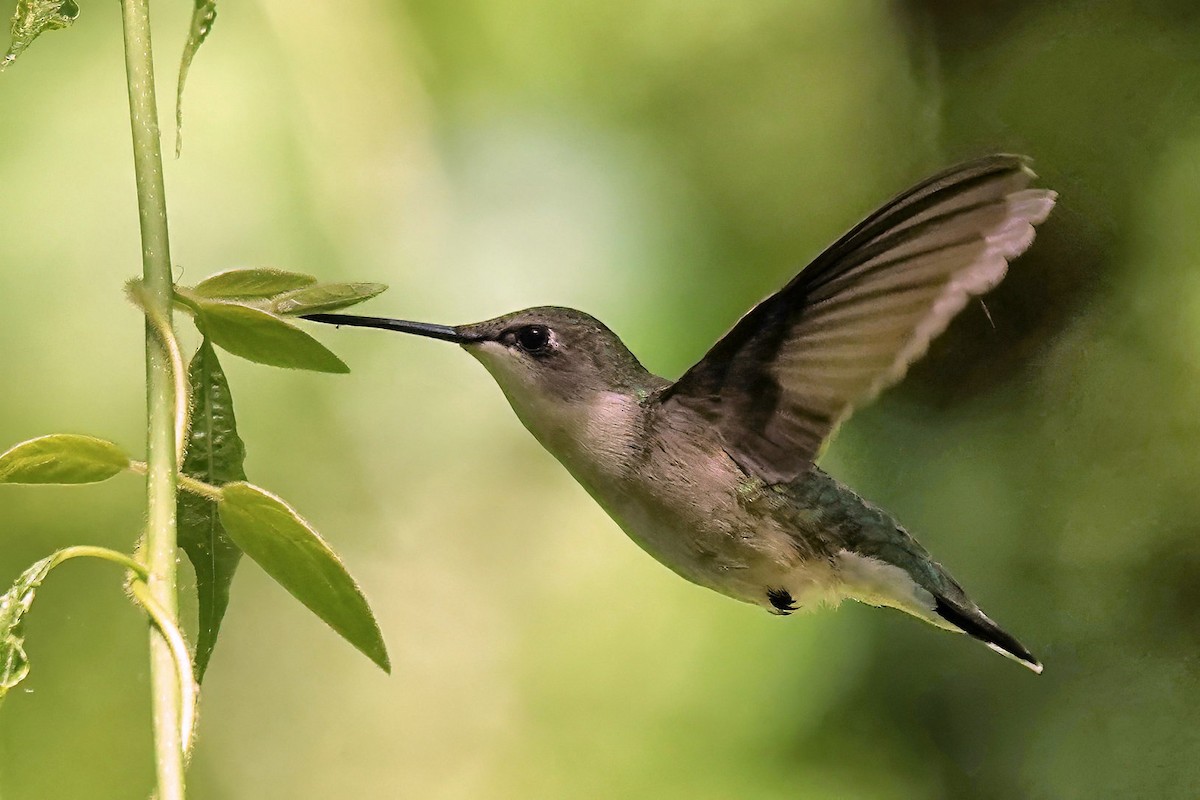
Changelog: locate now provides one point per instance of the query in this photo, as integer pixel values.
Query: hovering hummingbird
(714, 474)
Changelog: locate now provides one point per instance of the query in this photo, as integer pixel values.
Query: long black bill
(443, 332)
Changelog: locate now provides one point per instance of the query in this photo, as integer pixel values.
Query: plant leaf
(325, 297)
(259, 336)
(62, 458)
(14, 664)
(295, 555)
(215, 455)
(204, 14)
(237, 283)
(32, 18)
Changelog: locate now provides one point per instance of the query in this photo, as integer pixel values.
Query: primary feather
(850, 324)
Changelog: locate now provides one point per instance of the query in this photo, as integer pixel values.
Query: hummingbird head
(558, 367)
(560, 354)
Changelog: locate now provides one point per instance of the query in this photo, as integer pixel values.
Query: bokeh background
(662, 165)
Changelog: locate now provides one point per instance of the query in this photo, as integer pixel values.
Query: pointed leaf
(236, 283)
(62, 458)
(292, 553)
(259, 336)
(215, 455)
(203, 15)
(14, 664)
(34, 17)
(325, 297)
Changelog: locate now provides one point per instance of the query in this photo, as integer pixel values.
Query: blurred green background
(662, 165)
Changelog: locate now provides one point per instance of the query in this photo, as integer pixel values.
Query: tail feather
(975, 623)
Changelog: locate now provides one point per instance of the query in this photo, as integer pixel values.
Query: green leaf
(259, 336)
(62, 458)
(292, 553)
(14, 664)
(203, 15)
(32, 18)
(215, 455)
(239, 283)
(325, 297)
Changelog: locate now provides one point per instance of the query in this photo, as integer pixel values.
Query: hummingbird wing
(853, 320)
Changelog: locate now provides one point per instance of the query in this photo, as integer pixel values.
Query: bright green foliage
(62, 458)
(259, 336)
(325, 297)
(203, 15)
(295, 555)
(233, 309)
(215, 455)
(240, 311)
(248, 283)
(14, 664)
(32, 18)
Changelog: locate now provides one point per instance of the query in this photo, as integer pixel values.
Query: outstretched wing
(852, 321)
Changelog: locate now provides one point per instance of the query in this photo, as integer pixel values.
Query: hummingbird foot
(782, 601)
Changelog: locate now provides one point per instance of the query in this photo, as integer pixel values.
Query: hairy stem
(161, 462)
(185, 482)
(166, 334)
(200, 487)
(88, 551)
(169, 630)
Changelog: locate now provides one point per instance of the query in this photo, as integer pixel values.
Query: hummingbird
(715, 474)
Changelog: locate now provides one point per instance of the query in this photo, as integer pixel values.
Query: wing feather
(853, 320)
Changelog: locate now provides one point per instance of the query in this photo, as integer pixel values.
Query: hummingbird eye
(533, 338)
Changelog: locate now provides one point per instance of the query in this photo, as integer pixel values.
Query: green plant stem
(166, 334)
(160, 396)
(200, 487)
(88, 551)
(167, 626)
(182, 658)
(186, 482)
